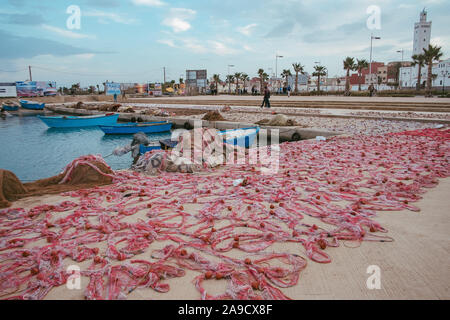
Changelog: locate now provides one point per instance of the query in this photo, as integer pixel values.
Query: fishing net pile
(134, 235)
(84, 172)
(213, 116)
(197, 150)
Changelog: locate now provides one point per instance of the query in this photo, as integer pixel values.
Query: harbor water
(33, 151)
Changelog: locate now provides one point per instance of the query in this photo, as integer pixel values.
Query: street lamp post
(402, 52)
(371, 50)
(276, 68)
(229, 82)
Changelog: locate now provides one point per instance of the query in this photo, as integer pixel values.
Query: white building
(422, 34)
(441, 71)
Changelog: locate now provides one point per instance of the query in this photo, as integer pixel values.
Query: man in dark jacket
(266, 101)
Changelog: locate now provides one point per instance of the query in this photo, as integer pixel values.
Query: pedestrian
(266, 101)
(371, 90)
(289, 91)
(115, 97)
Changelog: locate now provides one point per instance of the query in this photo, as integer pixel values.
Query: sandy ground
(415, 266)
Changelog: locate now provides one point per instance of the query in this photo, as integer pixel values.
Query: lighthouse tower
(422, 33)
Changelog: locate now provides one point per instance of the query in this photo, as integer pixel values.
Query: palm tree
(262, 77)
(319, 71)
(433, 53)
(181, 80)
(237, 77)
(360, 65)
(286, 74)
(216, 79)
(245, 78)
(418, 60)
(230, 79)
(298, 68)
(349, 65)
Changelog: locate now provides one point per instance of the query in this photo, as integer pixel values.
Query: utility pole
(402, 52)
(371, 49)
(31, 76)
(276, 69)
(164, 75)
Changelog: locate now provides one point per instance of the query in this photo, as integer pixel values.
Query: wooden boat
(30, 105)
(9, 106)
(132, 128)
(79, 122)
(242, 137)
(144, 149)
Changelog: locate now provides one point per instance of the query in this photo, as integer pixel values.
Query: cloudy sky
(132, 40)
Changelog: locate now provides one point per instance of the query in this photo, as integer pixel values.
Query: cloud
(221, 49)
(149, 3)
(67, 33)
(103, 3)
(28, 19)
(85, 56)
(194, 46)
(247, 30)
(168, 42)
(106, 17)
(29, 47)
(281, 30)
(178, 19)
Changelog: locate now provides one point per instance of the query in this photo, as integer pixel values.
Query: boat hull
(246, 140)
(10, 108)
(79, 122)
(32, 105)
(143, 149)
(135, 128)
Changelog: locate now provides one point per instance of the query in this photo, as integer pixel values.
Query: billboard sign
(112, 88)
(8, 90)
(155, 89)
(46, 88)
(141, 87)
(26, 89)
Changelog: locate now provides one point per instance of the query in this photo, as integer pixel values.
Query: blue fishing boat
(132, 128)
(32, 105)
(10, 107)
(144, 149)
(242, 137)
(79, 122)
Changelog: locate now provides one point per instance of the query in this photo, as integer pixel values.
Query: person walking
(371, 90)
(115, 97)
(266, 101)
(289, 91)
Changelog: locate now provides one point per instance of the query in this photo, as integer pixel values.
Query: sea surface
(33, 151)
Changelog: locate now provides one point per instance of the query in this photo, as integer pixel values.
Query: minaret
(422, 33)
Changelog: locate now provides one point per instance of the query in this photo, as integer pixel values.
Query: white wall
(8, 91)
